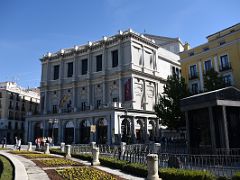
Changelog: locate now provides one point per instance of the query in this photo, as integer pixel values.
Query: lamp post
(53, 121)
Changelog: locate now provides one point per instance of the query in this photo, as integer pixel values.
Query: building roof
(168, 40)
(231, 27)
(211, 98)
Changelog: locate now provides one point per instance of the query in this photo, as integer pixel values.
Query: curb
(20, 172)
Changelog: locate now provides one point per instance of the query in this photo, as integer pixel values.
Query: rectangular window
(115, 99)
(99, 63)
(54, 109)
(208, 65)
(9, 125)
(83, 106)
(227, 80)
(98, 103)
(173, 70)
(194, 88)
(84, 66)
(70, 69)
(115, 58)
(225, 65)
(56, 72)
(193, 71)
(205, 48)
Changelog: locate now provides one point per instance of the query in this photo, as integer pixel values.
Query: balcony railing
(225, 67)
(193, 76)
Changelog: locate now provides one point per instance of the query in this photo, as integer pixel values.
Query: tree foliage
(213, 81)
(168, 106)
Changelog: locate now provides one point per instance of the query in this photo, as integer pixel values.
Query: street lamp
(53, 121)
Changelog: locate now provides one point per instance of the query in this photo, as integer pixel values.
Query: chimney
(186, 46)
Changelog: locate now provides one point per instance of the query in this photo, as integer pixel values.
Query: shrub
(112, 163)
(57, 151)
(136, 169)
(223, 178)
(85, 157)
(181, 174)
(236, 176)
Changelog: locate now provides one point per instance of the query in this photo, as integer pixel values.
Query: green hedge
(236, 176)
(181, 174)
(57, 151)
(86, 157)
(136, 169)
(141, 169)
(112, 162)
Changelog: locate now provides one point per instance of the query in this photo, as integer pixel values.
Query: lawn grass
(6, 169)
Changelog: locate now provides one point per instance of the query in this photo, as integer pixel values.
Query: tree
(168, 106)
(213, 81)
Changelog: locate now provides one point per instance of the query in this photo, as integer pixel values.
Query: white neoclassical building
(15, 104)
(103, 91)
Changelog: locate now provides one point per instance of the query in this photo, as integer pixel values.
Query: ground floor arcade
(103, 127)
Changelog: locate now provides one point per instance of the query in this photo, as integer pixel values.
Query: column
(216, 67)
(201, 75)
(188, 132)
(143, 59)
(144, 94)
(74, 131)
(110, 134)
(133, 130)
(225, 128)
(45, 102)
(157, 134)
(26, 132)
(44, 128)
(104, 91)
(77, 132)
(146, 130)
(120, 88)
(74, 79)
(60, 132)
(212, 128)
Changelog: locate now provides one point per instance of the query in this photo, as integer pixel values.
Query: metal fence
(222, 163)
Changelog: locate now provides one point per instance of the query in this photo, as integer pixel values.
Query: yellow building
(221, 52)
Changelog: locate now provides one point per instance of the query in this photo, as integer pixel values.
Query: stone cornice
(97, 45)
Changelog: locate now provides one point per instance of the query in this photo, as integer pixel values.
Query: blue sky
(29, 29)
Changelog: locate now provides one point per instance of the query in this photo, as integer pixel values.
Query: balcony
(193, 76)
(225, 67)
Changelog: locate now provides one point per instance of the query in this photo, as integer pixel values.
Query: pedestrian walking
(19, 144)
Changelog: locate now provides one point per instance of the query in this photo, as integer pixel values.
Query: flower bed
(35, 156)
(54, 162)
(22, 152)
(84, 173)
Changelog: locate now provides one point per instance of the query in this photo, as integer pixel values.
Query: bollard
(156, 148)
(29, 146)
(123, 148)
(152, 166)
(93, 144)
(46, 150)
(67, 151)
(62, 147)
(95, 153)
